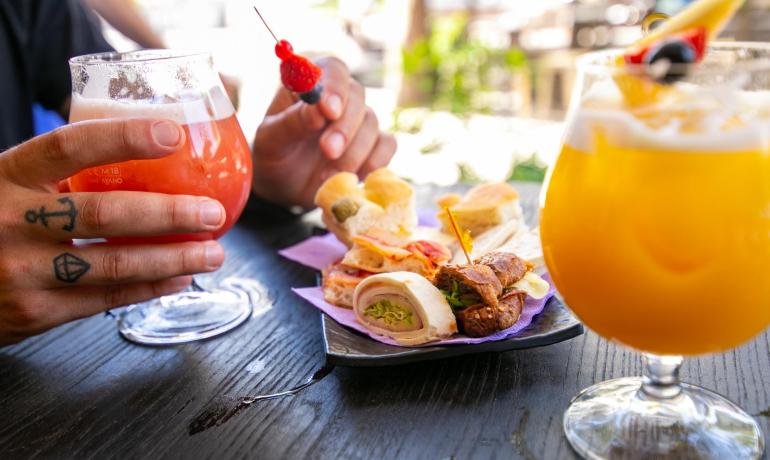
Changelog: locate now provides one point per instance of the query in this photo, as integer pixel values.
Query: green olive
(344, 209)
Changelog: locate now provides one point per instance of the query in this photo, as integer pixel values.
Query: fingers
(380, 156)
(42, 310)
(298, 122)
(46, 159)
(336, 87)
(101, 265)
(112, 214)
(363, 143)
(338, 135)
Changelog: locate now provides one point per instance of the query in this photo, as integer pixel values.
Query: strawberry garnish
(696, 38)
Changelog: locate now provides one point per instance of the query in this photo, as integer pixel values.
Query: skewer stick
(265, 23)
(460, 237)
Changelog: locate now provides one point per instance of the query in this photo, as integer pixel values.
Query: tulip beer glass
(214, 161)
(656, 230)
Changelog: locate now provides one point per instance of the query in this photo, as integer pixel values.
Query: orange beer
(661, 241)
(215, 160)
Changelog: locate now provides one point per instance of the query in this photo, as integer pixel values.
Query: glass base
(192, 315)
(614, 419)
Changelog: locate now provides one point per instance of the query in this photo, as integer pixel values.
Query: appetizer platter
(401, 286)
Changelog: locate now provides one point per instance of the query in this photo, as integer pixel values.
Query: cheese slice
(535, 286)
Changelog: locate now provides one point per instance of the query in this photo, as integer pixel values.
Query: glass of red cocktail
(215, 161)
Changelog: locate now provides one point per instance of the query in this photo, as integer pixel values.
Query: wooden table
(80, 391)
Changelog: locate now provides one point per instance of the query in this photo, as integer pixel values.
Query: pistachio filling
(389, 312)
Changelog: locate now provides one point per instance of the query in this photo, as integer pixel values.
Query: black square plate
(345, 347)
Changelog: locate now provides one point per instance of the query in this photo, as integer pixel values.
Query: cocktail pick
(265, 23)
(463, 237)
(298, 74)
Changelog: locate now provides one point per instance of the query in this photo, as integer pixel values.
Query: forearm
(124, 16)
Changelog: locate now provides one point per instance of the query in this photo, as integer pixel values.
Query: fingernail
(166, 133)
(334, 103)
(211, 213)
(335, 142)
(214, 255)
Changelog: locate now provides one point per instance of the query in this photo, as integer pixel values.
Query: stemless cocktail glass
(215, 161)
(656, 231)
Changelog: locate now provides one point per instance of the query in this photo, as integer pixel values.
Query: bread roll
(483, 207)
(405, 307)
(383, 201)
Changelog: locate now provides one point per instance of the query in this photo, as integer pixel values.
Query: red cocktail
(214, 161)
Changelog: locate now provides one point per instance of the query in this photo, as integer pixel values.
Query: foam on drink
(693, 120)
(188, 108)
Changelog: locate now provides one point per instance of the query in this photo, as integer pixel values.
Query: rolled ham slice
(405, 307)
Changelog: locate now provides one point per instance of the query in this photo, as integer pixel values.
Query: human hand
(298, 146)
(45, 280)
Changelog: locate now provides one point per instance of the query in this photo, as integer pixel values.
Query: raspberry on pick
(284, 50)
(299, 75)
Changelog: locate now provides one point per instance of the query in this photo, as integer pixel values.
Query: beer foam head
(150, 83)
(694, 119)
(190, 108)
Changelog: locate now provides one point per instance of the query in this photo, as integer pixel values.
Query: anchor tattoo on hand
(42, 215)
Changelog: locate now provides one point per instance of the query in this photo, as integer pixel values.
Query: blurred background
(473, 89)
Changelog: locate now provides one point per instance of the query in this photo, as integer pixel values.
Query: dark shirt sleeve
(60, 29)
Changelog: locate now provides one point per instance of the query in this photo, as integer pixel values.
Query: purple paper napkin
(319, 251)
(316, 252)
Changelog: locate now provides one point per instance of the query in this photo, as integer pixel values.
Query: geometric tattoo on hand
(69, 212)
(69, 268)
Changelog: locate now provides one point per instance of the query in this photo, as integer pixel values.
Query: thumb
(296, 123)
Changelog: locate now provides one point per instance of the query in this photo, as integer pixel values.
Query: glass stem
(661, 377)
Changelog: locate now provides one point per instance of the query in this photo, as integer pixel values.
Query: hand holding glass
(215, 161)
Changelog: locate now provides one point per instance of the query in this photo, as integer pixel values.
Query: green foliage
(450, 68)
(529, 170)
(406, 124)
(331, 4)
(433, 147)
(467, 174)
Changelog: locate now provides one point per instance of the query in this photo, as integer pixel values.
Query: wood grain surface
(80, 391)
